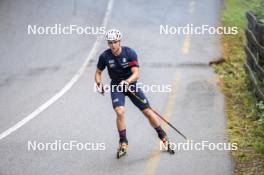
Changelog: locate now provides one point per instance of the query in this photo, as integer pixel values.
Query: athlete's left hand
(124, 83)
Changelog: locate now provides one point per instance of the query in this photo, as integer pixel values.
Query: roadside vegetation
(245, 115)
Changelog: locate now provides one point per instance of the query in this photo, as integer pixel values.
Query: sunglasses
(112, 42)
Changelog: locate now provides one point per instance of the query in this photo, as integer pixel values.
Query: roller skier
(123, 69)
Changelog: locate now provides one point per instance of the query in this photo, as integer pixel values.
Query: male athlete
(123, 69)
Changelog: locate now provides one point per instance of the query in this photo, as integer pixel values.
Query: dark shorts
(137, 97)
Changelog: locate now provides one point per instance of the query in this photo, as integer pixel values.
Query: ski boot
(167, 143)
(122, 150)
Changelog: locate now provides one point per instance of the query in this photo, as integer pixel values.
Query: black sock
(122, 136)
(161, 133)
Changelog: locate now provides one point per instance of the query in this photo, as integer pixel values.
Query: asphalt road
(33, 68)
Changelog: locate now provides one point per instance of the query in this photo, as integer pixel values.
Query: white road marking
(69, 85)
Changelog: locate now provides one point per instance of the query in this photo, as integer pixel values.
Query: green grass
(243, 115)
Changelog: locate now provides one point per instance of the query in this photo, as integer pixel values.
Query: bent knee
(120, 111)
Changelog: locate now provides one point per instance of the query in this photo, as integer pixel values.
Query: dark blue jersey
(119, 67)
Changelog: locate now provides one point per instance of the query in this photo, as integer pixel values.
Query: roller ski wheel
(166, 142)
(122, 150)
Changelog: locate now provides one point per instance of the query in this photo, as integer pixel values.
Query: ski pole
(166, 121)
(173, 127)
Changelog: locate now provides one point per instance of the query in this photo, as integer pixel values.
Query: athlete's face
(114, 46)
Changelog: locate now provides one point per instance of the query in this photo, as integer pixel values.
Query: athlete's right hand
(100, 88)
(124, 84)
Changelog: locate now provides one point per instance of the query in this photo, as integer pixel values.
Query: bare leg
(155, 123)
(152, 117)
(120, 118)
(121, 127)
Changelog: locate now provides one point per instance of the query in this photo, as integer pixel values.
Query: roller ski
(167, 144)
(122, 150)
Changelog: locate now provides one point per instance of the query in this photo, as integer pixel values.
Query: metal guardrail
(255, 55)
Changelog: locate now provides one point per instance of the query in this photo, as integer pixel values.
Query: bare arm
(98, 76)
(135, 75)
